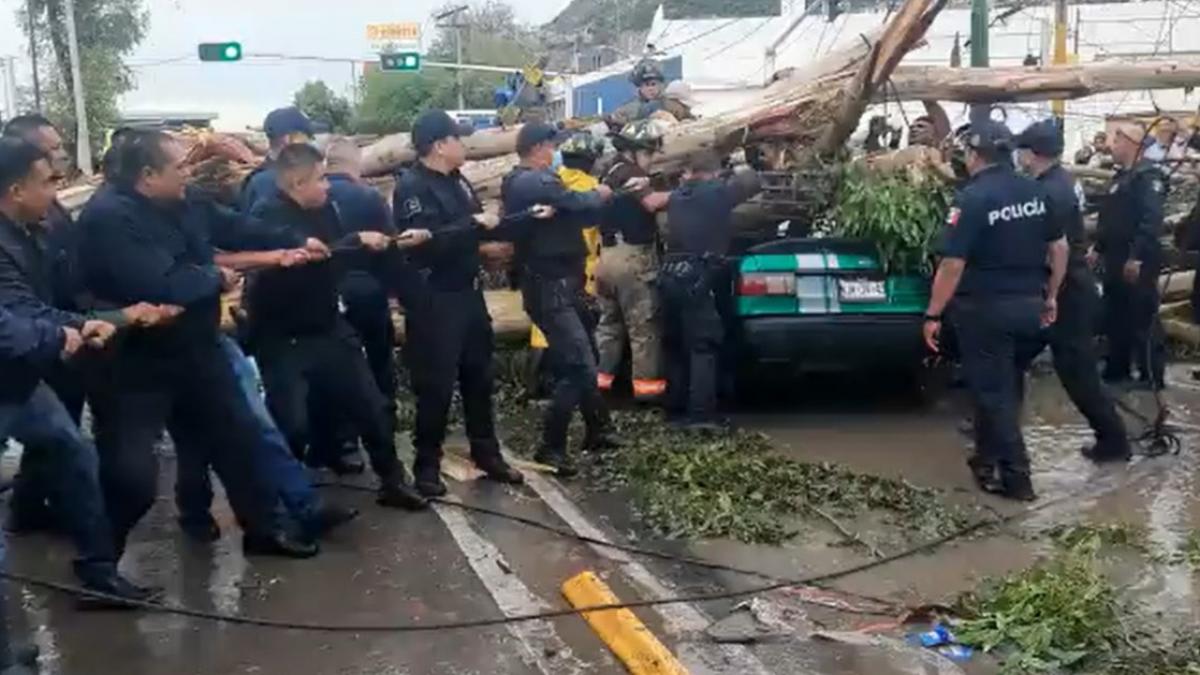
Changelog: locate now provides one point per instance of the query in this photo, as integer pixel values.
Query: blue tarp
(606, 95)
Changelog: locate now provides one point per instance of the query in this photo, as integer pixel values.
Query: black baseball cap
(535, 133)
(283, 121)
(433, 126)
(1043, 138)
(989, 136)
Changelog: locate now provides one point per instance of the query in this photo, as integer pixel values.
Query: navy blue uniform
(1000, 225)
(449, 331)
(308, 345)
(1072, 337)
(553, 256)
(1130, 224)
(699, 230)
(143, 251)
(259, 186)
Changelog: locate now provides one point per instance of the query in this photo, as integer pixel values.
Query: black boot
(562, 463)
(984, 472)
(1016, 485)
(1108, 451)
(500, 471)
(119, 594)
(278, 544)
(395, 493)
(203, 530)
(428, 481)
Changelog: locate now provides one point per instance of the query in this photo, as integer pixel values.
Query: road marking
(680, 619)
(543, 647)
(620, 629)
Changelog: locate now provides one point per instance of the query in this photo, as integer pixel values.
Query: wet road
(452, 565)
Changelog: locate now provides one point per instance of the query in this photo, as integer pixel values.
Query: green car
(814, 305)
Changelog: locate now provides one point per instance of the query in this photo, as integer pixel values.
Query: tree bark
(391, 151)
(1015, 84)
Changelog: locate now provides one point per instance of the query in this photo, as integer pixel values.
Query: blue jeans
(273, 456)
(42, 425)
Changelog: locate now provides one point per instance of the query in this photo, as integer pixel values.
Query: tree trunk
(1013, 84)
(57, 28)
(389, 152)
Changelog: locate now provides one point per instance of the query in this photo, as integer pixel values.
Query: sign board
(404, 32)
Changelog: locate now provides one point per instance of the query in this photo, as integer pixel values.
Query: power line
(702, 35)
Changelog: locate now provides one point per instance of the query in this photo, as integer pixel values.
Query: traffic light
(400, 61)
(220, 51)
(832, 9)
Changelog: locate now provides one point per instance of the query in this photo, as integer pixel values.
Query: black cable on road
(812, 580)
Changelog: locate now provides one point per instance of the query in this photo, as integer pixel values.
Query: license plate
(861, 290)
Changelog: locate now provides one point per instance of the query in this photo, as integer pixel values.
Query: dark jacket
(700, 213)
(258, 186)
(27, 275)
(28, 348)
(362, 209)
(551, 248)
(300, 301)
(142, 251)
(625, 214)
(444, 204)
(1131, 220)
(1064, 199)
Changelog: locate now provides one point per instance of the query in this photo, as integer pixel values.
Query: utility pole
(458, 50)
(979, 50)
(83, 148)
(9, 106)
(1059, 106)
(37, 86)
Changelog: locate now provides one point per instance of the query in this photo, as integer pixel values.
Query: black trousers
(693, 336)
(1134, 329)
(1072, 344)
(194, 394)
(332, 365)
(998, 339)
(450, 341)
(559, 309)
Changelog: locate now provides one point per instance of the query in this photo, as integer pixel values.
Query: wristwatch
(935, 319)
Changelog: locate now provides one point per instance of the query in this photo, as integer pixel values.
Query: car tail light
(767, 284)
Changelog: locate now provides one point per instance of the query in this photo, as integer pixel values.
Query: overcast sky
(169, 77)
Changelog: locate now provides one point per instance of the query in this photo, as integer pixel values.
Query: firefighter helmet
(641, 135)
(646, 69)
(582, 144)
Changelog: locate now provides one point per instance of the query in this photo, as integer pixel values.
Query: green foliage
(726, 485)
(1053, 616)
(319, 102)
(108, 30)
(1122, 535)
(902, 217)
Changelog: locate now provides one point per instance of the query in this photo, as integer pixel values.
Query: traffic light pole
(83, 147)
(979, 50)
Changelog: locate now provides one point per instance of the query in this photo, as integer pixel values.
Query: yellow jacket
(577, 181)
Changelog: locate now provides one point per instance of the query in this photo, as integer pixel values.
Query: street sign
(400, 61)
(220, 51)
(405, 32)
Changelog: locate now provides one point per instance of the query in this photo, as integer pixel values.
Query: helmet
(641, 135)
(582, 144)
(646, 69)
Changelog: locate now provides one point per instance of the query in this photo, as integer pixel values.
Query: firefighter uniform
(626, 279)
(1130, 224)
(700, 227)
(1072, 337)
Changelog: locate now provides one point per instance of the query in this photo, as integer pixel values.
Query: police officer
(449, 331)
(699, 229)
(141, 249)
(994, 250)
(308, 346)
(625, 278)
(283, 127)
(1130, 223)
(551, 249)
(1072, 337)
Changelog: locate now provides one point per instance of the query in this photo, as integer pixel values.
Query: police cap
(1043, 138)
(436, 125)
(988, 137)
(283, 121)
(533, 134)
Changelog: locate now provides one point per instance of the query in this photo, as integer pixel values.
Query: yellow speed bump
(624, 634)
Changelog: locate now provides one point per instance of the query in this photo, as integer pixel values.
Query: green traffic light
(400, 62)
(220, 51)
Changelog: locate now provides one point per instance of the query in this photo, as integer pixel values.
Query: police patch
(412, 206)
(953, 216)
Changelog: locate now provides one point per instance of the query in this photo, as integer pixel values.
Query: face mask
(558, 160)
